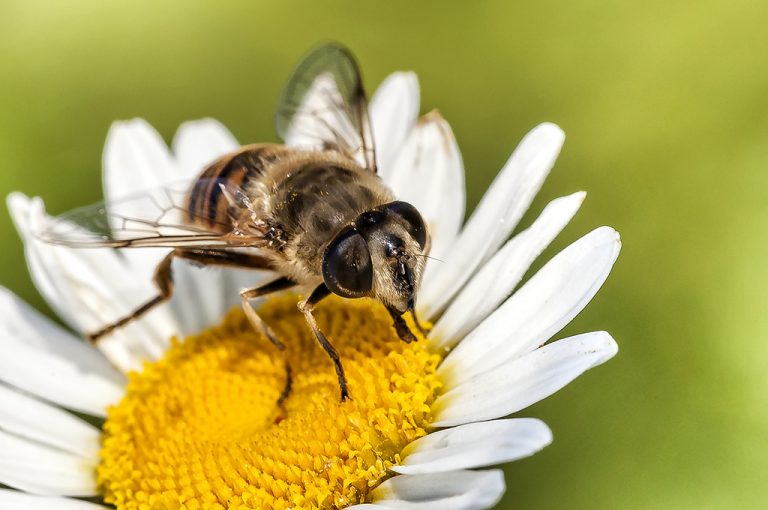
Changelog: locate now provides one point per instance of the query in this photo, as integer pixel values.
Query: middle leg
(258, 323)
(207, 257)
(248, 294)
(251, 261)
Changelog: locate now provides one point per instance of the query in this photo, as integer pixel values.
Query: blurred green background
(665, 105)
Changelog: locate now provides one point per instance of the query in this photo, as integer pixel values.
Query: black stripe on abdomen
(207, 204)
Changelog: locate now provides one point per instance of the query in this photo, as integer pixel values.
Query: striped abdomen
(207, 205)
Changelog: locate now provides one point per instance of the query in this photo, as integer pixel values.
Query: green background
(665, 106)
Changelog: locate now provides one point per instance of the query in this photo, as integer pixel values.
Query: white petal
(93, 287)
(198, 300)
(524, 381)
(475, 445)
(104, 288)
(41, 470)
(38, 258)
(541, 308)
(199, 142)
(43, 359)
(58, 380)
(15, 500)
(429, 174)
(495, 217)
(23, 326)
(393, 112)
(500, 275)
(135, 159)
(456, 490)
(32, 419)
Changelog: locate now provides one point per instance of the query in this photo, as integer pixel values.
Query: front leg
(306, 308)
(401, 327)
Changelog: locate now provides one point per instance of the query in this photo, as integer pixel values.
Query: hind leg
(163, 279)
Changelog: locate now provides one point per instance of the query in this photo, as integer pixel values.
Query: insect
(314, 212)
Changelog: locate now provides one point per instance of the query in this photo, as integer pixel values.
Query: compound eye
(411, 219)
(347, 266)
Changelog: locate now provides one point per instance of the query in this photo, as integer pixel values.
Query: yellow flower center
(201, 428)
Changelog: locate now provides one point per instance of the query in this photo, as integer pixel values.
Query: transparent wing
(324, 106)
(159, 218)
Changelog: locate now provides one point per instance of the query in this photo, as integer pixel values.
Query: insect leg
(250, 261)
(248, 294)
(288, 384)
(424, 331)
(401, 327)
(260, 325)
(163, 280)
(306, 308)
(243, 260)
(224, 258)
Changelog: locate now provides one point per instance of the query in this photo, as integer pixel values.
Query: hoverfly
(315, 213)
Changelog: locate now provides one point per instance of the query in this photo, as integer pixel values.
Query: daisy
(185, 398)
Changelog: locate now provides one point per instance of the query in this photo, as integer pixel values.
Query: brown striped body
(299, 201)
(207, 205)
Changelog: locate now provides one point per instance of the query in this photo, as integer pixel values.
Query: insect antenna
(428, 257)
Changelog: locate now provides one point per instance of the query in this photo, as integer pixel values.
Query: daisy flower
(184, 399)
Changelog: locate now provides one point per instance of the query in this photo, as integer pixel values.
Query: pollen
(202, 428)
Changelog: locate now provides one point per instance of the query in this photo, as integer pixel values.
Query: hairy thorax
(306, 199)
